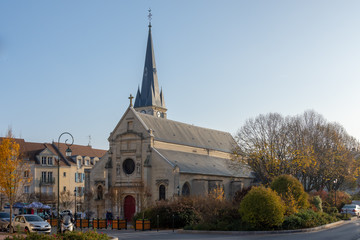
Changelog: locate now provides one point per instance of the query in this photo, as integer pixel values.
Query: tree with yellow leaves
(12, 171)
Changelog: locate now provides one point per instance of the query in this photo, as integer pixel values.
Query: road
(348, 231)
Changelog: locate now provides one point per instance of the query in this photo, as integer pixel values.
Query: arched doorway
(129, 207)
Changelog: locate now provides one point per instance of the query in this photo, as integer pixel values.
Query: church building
(152, 158)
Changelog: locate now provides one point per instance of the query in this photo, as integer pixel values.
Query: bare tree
(66, 200)
(318, 153)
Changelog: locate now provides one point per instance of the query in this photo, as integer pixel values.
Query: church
(152, 158)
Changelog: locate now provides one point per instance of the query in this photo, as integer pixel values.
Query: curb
(315, 229)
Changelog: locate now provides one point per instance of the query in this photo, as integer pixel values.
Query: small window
(64, 174)
(130, 125)
(87, 163)
(64, 188)
(99, 192)
(43, 160)
(185, 189)
(26, 174)
(79, 163)
(162, 192)
(50, 161)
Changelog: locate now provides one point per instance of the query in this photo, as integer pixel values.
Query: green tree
(262, 208)
(292, 193)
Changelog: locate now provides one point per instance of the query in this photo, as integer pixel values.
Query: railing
(47, 181)
(94, 223)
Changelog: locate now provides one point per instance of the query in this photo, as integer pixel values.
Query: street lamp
(68, 153)
(75, 201)
(335, 181)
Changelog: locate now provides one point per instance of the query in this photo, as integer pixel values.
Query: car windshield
(349, 206)
(33, 218)
(4, 215)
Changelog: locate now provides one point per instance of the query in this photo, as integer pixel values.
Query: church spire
(149, 100)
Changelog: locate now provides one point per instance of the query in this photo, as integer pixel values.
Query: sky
(70, 66)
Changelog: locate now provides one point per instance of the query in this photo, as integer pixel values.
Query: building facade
(152, 158)
(42, 159)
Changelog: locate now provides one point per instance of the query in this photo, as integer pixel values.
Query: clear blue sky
(71, 65)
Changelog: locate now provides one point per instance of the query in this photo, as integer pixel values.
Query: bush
(316, 200)
(76, 235)
(292, 192)
(262, 208)
(328, 199)
(307, 219)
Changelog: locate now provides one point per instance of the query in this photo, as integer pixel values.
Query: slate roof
(150, 94)
(31, 149)
(185, 134)
(203, 164)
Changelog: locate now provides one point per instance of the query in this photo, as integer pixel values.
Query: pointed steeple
(150, 98)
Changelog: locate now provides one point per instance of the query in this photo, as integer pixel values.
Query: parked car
(30, 223)
(5, 220)
(353, 209)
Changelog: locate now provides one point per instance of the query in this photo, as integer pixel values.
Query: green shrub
(316, 200)
(307, 219)
(262, 208)
(292, 192)
(76, 235)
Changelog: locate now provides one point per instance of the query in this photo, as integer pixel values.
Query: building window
(64, 174)
(79, 163)
(99, 192)
(50, 161)
(64, 188)
(162, 192)
(129, 125)
(43, 160)
(87, 162)
(26, 174)
(50, 177)
(185, 190)
(43, 176)
(26, 189)
(128, 166)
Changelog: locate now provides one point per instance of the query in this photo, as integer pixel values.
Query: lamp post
(75, 201)
(335, 181)
(68, 153)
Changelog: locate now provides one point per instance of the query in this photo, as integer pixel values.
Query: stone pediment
(130, 134)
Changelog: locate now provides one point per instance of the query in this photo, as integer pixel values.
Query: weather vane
(149, 17)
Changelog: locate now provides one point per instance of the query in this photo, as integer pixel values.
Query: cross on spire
(149, 17)
(131, 98)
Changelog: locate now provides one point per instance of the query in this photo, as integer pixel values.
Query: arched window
(99, 192)
(185, 189)
(162, 192)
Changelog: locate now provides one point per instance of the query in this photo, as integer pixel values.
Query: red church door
(129, 207)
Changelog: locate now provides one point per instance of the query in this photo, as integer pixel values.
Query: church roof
(185, 134)
(203, 164)
(149, 94)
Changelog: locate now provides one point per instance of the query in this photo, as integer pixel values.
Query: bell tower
(150, 100)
